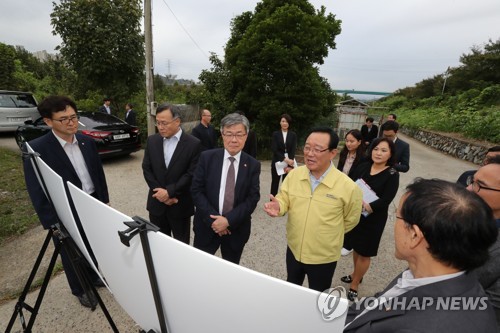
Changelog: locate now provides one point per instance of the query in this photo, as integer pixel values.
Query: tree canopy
(102, 42)
(271, 65)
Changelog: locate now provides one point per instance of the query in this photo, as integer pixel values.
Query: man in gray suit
(443, 231)
(170, 159)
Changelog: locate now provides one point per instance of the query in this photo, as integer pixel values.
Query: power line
(185, 30)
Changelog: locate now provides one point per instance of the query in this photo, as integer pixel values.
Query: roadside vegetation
(16, 212)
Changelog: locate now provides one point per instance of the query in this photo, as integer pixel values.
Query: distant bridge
(359, 92)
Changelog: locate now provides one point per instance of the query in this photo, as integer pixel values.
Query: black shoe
(352, 295)
(99, 283)
(86, 301)
(348, 279)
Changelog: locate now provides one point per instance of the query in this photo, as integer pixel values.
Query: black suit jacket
(371, 135)
(102, 109)
(205, 190)
(52, 153)
(131, 118)
(206, 135)
(279, 147)
(399, 318)
(402, 156)
(176, 179)
(251, 144)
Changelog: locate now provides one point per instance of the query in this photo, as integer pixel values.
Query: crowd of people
(446, 232)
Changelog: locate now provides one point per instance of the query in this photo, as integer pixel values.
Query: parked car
(15, 108)
(112, 135)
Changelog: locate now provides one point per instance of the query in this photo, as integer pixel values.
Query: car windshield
(97, 119)
(17, 100)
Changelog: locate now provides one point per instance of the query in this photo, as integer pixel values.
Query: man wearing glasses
(490, 154)
(226, 191)
(486, 183)
(322, 205)
(169, 161)
(74, 157)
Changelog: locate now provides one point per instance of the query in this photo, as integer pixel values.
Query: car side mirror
(28, 122)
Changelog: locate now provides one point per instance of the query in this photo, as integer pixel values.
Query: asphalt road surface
(265, 251)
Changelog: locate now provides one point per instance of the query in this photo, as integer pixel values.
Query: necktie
(229, 190)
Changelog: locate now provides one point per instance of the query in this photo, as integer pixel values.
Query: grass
(16, 211)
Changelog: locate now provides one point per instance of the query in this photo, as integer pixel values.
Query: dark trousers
(275, 179)
(179, 228)
(228, 253)
(319, 276)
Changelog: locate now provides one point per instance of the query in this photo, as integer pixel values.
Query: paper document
(368, 194)
(281, 166)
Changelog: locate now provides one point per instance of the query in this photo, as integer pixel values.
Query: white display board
(124, 268)
(201, 292)
(55, 187)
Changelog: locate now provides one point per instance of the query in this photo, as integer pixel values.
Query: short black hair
(287, 117)
(390, 125)
(393, 116)
(494, 149)
(334, 138)
(130, 105)
(370, 119)
(53, 104)
(392, 160)
(457, 224)
(494, 160)
(107, 99)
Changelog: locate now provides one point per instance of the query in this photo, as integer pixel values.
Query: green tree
(7, 66)
(103, 43)
(271, 65)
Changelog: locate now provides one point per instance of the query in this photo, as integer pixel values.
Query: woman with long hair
(353, 152)
(380, 176)
(283, 146)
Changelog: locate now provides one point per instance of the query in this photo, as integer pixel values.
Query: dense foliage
(467, 102)
(271, 65)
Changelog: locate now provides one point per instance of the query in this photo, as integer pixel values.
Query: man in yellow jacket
(322, 204)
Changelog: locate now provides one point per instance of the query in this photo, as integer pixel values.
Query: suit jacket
(279, 147)
(102, 109)
(176, 179)
(251, 144)
(402, 156)
(131, 118)
(206, 135)
(52, 153)
(205, 190)
(371, 135)
(409, 318)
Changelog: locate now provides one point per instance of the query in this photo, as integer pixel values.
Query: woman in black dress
(379, 175)
(283, 146)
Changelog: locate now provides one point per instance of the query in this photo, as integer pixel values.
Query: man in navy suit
(215, 223)
(390, 131)
(205, 132)
(105, 108)
(369, 131)
(130, 116)
(169, 162)
(72, 156)
(443, 232)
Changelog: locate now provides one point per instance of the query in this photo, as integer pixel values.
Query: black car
(113, 136)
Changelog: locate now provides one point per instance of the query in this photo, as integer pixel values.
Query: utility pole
(446, 74)
(148, 35)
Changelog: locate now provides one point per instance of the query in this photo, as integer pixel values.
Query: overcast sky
(384, 45)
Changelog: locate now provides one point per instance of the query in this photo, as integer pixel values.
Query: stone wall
(455, 147)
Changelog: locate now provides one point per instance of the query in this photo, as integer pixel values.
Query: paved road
(265, 252)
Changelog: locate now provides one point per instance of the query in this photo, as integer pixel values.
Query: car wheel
(20, 140)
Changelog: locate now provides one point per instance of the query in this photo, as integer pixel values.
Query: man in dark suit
(443, 231)
(105, 108)
(226, 191)
(205, 132)
(390, 131)
(72, 156)
(130, 116)
(169, 162)
(369, 131)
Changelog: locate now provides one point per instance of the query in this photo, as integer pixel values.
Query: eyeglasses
(476, 187)
(315, 151)
(164, 123)
(66, 121)
(238, 136)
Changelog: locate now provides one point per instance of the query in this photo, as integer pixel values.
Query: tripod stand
(62, 241)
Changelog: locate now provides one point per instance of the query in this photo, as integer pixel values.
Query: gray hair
(174, 109)
(234, 119)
